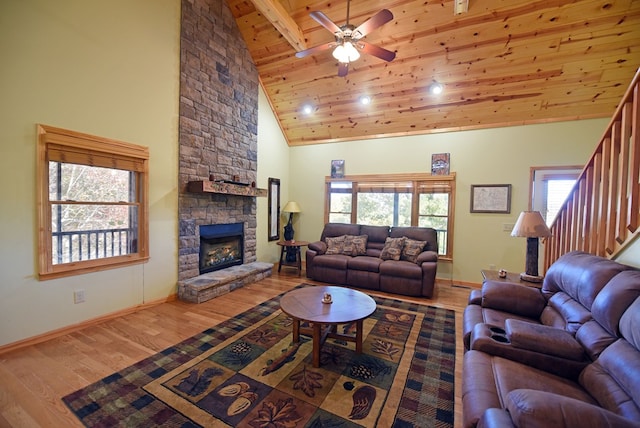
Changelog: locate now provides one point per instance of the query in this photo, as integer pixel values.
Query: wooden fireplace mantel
(206, 186)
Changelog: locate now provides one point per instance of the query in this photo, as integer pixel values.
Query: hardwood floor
(35, 378)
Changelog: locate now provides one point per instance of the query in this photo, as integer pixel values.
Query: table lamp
(291, 207)
(531, 225)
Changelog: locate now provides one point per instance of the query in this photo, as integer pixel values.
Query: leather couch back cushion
(571, 311)
(376, 234)
(630, 324)
(614, 379)
(615, 298)
(339, 229)
(418, 234)
(580, 275)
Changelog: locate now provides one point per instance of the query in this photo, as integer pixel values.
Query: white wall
(104, 68)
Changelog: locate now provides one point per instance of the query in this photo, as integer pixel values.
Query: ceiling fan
(349, 41)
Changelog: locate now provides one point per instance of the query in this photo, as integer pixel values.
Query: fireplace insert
(221, 246)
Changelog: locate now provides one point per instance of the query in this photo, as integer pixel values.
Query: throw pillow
(392, 248)
(412, 249)
(335, 245)
(355, 245)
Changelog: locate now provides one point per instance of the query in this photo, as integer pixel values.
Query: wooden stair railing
(601, 214)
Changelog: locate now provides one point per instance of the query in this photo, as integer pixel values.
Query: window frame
(542, 174)
(99, 151)
(419, 183)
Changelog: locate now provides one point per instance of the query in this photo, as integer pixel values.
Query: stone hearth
(213, 284)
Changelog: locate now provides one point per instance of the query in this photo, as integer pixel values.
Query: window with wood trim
(395, 200)
(550, 186)
(93, 203)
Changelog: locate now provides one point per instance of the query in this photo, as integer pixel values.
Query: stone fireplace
(221, 246)
(218, 139)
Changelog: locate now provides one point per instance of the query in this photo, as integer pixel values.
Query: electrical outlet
(78, 296)
(507, 227)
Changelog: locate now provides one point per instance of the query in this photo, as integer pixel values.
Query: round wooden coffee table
(306, 305)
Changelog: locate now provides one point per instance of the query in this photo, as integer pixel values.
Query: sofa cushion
(614, 299)
(355, 245)
(335, 245)
(338, 229)
(333, 261)
(392, 248)
(412, 249)
(377, 235)
(365, 263)
(417, 233)
(539, 409)
(400, 269)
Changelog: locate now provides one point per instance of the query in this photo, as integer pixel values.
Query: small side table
(511, 277)
(295, 246)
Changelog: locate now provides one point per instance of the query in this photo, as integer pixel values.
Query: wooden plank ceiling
(503, 62)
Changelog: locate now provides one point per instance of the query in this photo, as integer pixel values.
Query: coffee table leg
(316, 344)
(296, 331)
(359, 336)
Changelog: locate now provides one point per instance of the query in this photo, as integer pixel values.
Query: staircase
(601, 215)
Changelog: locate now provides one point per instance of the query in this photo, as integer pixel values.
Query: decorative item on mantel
(291, 207)
(531, 225)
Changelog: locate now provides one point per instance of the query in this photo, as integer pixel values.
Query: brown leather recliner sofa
(566, 355)
(370, 258)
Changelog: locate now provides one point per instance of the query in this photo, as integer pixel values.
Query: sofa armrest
(493, 340)
(475, 297)
(319, 247)
(495, 418)
(544, 339)
(427, 256)
(542, 409)
(513, 298)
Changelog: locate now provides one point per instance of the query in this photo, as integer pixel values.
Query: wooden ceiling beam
(282, 21)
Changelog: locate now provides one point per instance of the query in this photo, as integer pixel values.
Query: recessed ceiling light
(307, 109)
(365, 100)
(436, 88)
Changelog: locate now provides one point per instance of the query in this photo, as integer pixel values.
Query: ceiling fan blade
(315, 49)
(376, 51)
(372, 23)
(324, 20)
(343, 69)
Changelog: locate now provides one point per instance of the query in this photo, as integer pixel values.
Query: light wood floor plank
(33, 379)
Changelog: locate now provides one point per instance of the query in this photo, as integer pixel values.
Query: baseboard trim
(75, 327)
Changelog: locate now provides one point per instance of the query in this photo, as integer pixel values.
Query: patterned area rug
(246, 372)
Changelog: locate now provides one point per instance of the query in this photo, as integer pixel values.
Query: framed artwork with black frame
(491, 198)
(274, 209)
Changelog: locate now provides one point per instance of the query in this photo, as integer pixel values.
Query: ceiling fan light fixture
(346, 52)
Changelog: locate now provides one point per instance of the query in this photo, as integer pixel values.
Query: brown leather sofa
(372, 266)
(565, 355)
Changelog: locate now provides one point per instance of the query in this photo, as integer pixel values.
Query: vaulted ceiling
(502, 62)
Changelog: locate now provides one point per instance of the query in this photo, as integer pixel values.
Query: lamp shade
(291, 207)
(530, 224)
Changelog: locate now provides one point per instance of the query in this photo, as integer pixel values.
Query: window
(550, 186)
(93, 203)
(395, 200)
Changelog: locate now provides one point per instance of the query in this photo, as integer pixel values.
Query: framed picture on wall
(337, 168)
(491, 198)
(274, 209)
(440, 164)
